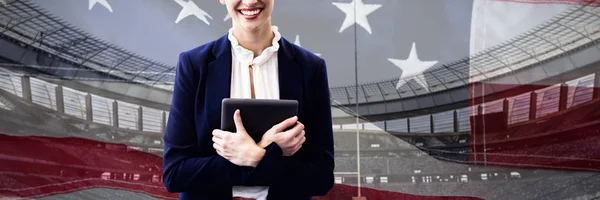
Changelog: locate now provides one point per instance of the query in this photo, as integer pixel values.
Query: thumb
(237, 118)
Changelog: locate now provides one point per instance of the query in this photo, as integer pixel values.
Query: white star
(297, 42)
(413, 66)
(362, 10)
(190, 8)
(227, 17)
(104, 3)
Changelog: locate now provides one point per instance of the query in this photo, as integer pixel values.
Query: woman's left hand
(239, 148)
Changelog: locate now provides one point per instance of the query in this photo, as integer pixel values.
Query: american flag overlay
(431, 99)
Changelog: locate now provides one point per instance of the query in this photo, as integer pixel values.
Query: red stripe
(565, 139)
(43, 166)
(346, 192)
(34, 167)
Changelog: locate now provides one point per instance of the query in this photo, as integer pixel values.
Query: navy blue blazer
(191, 165)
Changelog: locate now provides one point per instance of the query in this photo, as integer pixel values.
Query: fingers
(217, 140)
(303, 140)
(219, 133)
(237, 118)
(295, 144)
(296, 149)
(300, 135)
(285, 123)
(290, 141)
(292, 151)
(297, 130)
(293, 135)
(298, 141)
(222, 154)
(218, 147)
(220, 151)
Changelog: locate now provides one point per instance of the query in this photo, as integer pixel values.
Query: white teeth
(250, 12)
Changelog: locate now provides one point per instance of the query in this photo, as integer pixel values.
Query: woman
(251, 61)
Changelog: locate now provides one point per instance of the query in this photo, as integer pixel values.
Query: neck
(255, 41)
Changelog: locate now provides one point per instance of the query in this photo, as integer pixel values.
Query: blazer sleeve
(310, 171)
(184, 168)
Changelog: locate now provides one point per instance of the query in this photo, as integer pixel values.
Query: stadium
(83, 117)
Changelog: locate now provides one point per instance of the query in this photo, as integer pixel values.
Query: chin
(254, 27)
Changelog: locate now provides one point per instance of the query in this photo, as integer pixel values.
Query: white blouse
(266, 86)
(265, 73)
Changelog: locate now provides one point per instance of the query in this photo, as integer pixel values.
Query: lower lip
(250, 16)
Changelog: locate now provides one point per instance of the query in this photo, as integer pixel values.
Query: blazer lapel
(290, 73)
(291, 77)
(218, 80)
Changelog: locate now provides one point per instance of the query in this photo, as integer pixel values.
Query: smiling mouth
(250, 12)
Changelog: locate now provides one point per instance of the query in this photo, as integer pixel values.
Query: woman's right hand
(289, 141)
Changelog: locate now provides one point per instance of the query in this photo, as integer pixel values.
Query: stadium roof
(570, 31)
(578, 26)
(31, 25)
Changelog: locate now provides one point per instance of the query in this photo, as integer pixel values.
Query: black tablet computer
(258, 115)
